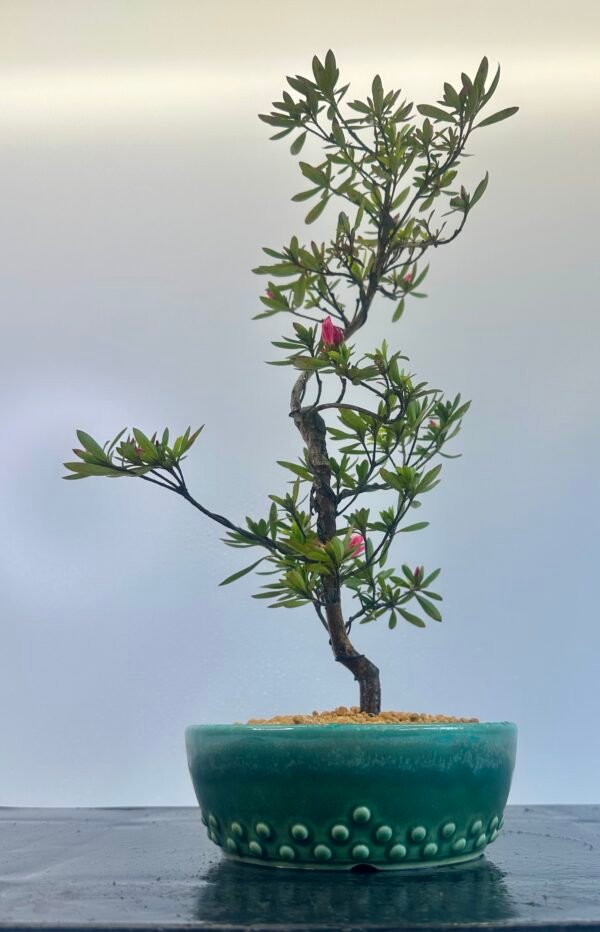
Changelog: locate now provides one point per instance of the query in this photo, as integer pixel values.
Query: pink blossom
(330, 334)
(433, 425)
(408, 278)
(270, 294)
(357, 544)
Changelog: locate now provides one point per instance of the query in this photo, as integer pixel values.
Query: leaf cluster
(390, 167)
(135, 455)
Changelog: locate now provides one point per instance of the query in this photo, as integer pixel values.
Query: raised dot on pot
(383, 833)
(322, 853)
(287, 853)
(340, 833)
(263, 830)
(397, 852)
(361, 853)
(361, 814)
(418, 833)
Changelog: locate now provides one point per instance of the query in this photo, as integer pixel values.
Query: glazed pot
(339, 797)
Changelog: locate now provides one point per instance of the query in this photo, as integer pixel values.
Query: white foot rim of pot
(412, 865)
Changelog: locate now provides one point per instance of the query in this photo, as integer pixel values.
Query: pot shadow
(248, 894)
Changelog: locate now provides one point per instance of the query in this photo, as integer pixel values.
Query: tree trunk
(323, 501)
(365, 672)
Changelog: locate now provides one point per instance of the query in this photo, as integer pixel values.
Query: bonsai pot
(338, 797)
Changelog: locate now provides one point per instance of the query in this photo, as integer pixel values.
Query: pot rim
(392, 728)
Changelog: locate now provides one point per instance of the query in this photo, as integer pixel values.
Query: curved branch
(348, 407)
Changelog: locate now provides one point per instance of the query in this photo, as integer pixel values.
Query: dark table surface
(155, 868)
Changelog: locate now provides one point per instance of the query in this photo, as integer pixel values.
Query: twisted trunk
(364, 671)
(323, 501)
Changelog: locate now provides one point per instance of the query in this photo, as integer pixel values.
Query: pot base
(313, 866)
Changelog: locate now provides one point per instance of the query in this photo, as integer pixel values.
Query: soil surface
(353, 716)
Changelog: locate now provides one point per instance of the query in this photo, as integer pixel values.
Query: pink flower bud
(417, 572)
(357, 544)
(407, 279)
(330, 334)
(270, 294)
(433, 425)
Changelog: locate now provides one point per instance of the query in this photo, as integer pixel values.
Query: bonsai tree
(392, 175)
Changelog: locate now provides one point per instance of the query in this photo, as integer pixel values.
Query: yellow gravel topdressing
(353, 716)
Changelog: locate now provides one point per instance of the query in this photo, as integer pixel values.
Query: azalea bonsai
(392, 174)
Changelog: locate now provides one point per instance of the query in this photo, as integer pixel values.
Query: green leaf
(492, 87)
(401, 198)
(83, 470)
(392, 479)
(377, 91)
(451, 96)
(399, 311)
(338, 134)
(408, 573)
(415, 527)
(281, 270)
(313, 174)
(310, 362)
(300, 471)
(435, 113)
(92, 446)
(429, 579)
(240, 573)
(275, 120)
(413, 619)
(297, 144)
(496, 117)
(192, 439)
(478, 192)
(290, 603)
(273, 520)
(433, 595)
(265, 314)
(331, 68)
(428, 480)
(316, 211)
(402, 480)
(120, 434)
(305, 195)
(359, 106)
(429, 608)
(481, 75)
(352, 420)
(148, 448)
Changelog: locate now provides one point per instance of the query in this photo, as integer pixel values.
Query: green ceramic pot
(343, 796)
